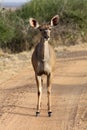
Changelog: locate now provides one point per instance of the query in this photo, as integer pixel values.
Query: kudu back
(44, 59)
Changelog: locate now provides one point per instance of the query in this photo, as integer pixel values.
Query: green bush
(73, 17)
(6, 32)
(13, 32)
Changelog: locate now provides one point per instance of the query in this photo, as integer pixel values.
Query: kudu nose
(46, 34)
(46, 37)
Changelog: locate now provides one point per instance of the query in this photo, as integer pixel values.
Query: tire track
(74, 110)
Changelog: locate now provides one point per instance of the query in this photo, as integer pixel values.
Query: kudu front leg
(49, 93)
(39, 93)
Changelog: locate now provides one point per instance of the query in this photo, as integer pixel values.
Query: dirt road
(69, 97)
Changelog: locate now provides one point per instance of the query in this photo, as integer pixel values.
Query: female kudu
(43, 59)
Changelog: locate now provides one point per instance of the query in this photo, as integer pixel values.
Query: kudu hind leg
(49, 93)
(39, 93)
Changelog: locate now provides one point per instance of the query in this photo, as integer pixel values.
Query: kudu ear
(33, 23)
(55, 20)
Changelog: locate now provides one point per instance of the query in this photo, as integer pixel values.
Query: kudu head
(45, 29)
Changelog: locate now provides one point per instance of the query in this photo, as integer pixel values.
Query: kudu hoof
(49, 113)
(37, 114)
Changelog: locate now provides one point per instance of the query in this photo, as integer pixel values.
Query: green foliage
(6, 32)
(13, 32)
(45, 9)
(73, 17)
(41, 9)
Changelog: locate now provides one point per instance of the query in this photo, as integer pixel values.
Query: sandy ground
(69, 93)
